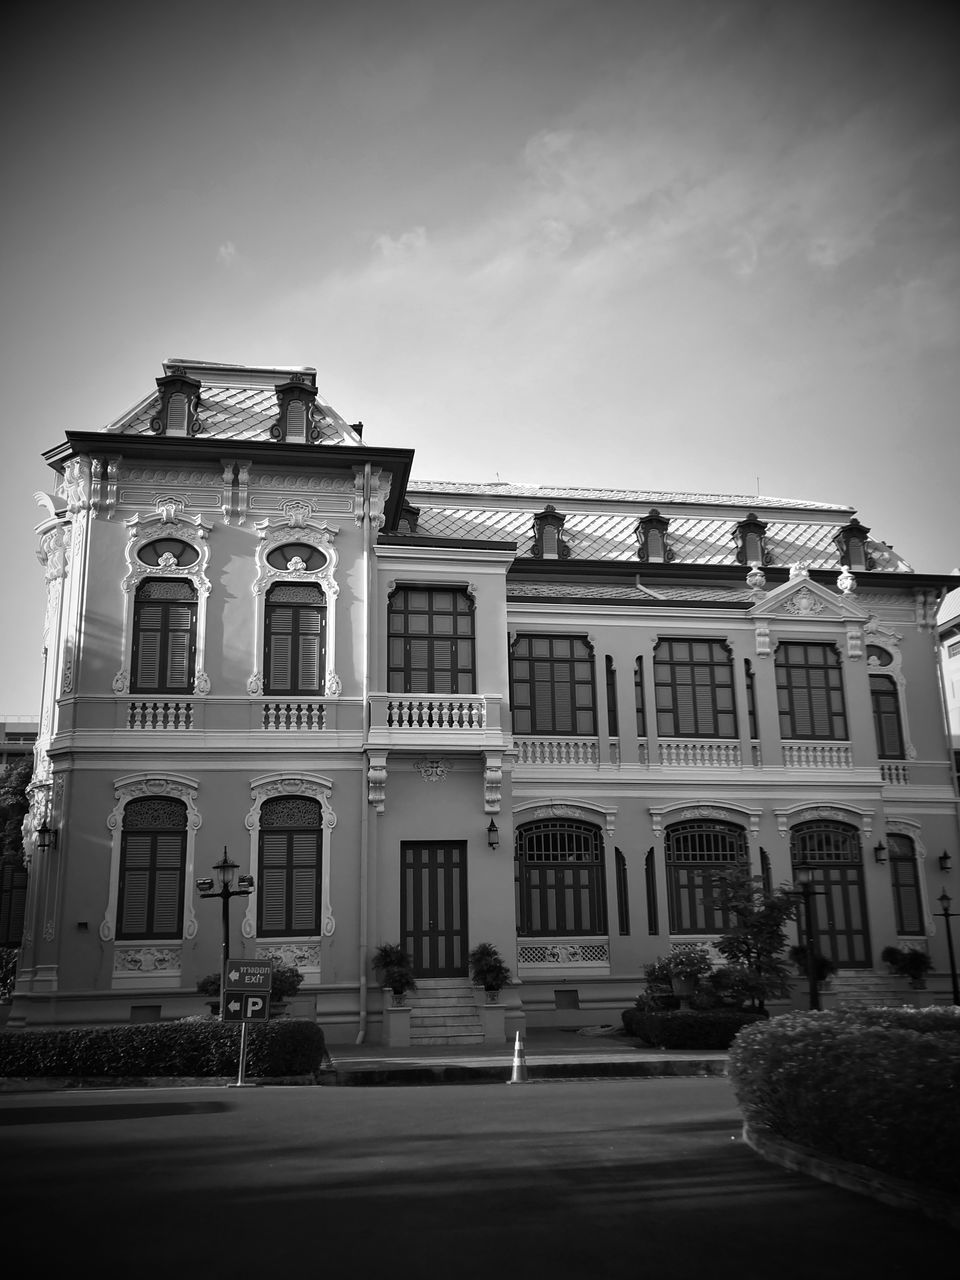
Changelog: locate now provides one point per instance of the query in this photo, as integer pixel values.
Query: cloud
(227, 253)
(402, 248)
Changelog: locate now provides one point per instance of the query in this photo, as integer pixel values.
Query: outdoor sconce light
(205, 885)
(493, 835)
(245, 882)
(945, 860)
(880, 852)
(46, 837)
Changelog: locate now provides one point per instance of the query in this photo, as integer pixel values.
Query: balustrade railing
(160, 715)
(561, 752)
(295, 717)
(699, 754)
(435, 713)
(817, 755)
(895, 773)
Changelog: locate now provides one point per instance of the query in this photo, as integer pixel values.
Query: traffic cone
(519, 1075)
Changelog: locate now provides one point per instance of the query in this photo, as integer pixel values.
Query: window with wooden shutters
(291, 850)
(560, 879)
(612, 718)
(695, 852)
(164, 637)
(552, 685)
(905, 883)
(810, 691)
(693, 684)
(638, 699)
(295, 631)
(885, 701)
(153, 849)
(431, 641)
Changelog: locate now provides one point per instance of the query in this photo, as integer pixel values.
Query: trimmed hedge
(191, 1047)
(877, 1087)
(687, 1028)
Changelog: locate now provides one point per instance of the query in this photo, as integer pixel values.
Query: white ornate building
(440, 714)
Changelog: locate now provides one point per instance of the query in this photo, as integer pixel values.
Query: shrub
(687, 1029)
(190, 1047)
(873, 1087)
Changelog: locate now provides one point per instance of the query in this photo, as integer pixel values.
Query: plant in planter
(488, 969)
(908, 962)
(683, 966)
(394, 969)
(824, 966)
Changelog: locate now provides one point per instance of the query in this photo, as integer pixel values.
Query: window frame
(271, 612)
(789, 711)
(128, 835)
(536, 890)
(667, 669)
(555, 663)
(309, 834)
(690, 909)
(435, 641)
(165, 630)
(891, 695)
(902, 852)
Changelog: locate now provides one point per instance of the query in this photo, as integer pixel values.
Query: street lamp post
(805, 881)
(225, 870)
(948, 915)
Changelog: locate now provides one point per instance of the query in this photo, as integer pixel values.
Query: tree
(14, 803)
(754, 943)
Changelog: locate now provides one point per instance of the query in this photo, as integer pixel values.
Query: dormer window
(548, 543)
(295, 425)
(651, 533)
(851, 542)
(750, 537)
(179, 398)
(409, 518)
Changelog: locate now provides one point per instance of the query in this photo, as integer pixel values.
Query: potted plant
(685, 964)
(394, 969)
(488, 969)
(824, 967)
(908, 962)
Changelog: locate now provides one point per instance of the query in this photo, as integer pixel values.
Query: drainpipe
(364, 807)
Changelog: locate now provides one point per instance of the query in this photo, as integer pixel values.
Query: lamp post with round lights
(226, 870)
(948, 915)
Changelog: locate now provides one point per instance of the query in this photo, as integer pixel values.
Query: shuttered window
(164, 637)
(810, 691)
(552, 685)
(559, 877)
(153, 848)
(693, 684)
(295, 638)
(695, 853)
(431, 641)
(291, 847)
(905, 883)
(886, 718)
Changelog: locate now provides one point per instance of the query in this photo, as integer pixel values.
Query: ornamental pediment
(802, 598)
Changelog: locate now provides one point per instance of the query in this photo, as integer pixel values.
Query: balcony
(435, 721)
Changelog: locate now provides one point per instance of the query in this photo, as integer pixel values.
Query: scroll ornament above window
(179, 402)
(548, 541)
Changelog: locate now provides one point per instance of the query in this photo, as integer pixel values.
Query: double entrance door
(839, 915)
(433, 907)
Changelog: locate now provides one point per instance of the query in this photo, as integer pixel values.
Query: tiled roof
(950, 607)
(561, 590)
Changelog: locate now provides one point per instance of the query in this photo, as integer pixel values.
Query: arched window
(832, 852)
(695, 852)
(559, 879)
(295, 639)
(164, 636)
(153, 847)
(290, 865)
(885, 701)
(905, 883)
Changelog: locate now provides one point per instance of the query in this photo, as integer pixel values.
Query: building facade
(445, 714)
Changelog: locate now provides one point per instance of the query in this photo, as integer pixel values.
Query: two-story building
(445, 714)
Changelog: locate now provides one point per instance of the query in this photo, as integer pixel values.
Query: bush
(875, 1087)
(191, 1047)
(687, 1029)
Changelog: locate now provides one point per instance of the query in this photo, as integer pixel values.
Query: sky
(652, 244)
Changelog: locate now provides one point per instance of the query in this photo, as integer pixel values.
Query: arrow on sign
(233, 975)
(233, 1006)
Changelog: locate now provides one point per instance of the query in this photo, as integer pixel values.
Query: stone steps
(444, 1011)
(853, 987)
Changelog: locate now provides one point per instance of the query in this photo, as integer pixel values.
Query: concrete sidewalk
(547, 1053)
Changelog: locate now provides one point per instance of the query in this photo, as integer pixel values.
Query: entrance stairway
(444, 1011)
(862, 987)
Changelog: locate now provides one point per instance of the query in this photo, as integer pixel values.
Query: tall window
(431, 641)
(164, 637)
(885, 701)
(638, 699)
(810, 691)
(295, 639)
(751, 698)
(695, 852)
(905, 883)
(552, 686)
(693, 681)
(291, 849)
(153, 848)
(559, 879)
(612, 718)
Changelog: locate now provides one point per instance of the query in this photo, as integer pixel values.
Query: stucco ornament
(432, 769)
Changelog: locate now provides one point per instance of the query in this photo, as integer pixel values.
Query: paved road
(578, 1180)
